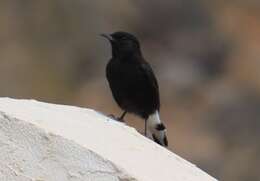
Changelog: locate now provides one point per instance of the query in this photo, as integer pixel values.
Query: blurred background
(206, 55)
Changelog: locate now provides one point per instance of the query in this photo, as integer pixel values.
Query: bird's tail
(156, 129)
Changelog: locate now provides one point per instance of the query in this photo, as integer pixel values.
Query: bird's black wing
(151, 82)
(134, 87)
(150, 75)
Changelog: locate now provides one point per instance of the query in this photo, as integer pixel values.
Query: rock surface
(47, 142)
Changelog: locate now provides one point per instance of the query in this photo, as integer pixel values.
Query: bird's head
(123, 44)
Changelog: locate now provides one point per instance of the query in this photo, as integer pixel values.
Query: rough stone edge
(120, 173)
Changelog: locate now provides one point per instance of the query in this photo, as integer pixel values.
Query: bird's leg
(121, 118)
(145, 128)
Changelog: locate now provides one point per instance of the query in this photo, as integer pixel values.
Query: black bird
(133, 84)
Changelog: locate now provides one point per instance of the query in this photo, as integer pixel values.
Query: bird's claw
(120, 120)
(116, 118)
(112, 116)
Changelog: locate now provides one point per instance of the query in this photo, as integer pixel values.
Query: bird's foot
(116, 118)
(143, 133)
(120, 120)
(112, 116)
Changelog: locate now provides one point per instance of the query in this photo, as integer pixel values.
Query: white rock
(48, 142)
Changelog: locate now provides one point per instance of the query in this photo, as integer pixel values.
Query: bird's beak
(107, 36)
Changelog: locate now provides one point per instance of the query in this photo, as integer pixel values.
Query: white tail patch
(153, 120)
(156, 129)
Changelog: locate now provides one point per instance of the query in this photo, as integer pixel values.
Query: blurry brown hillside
(206, 56)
